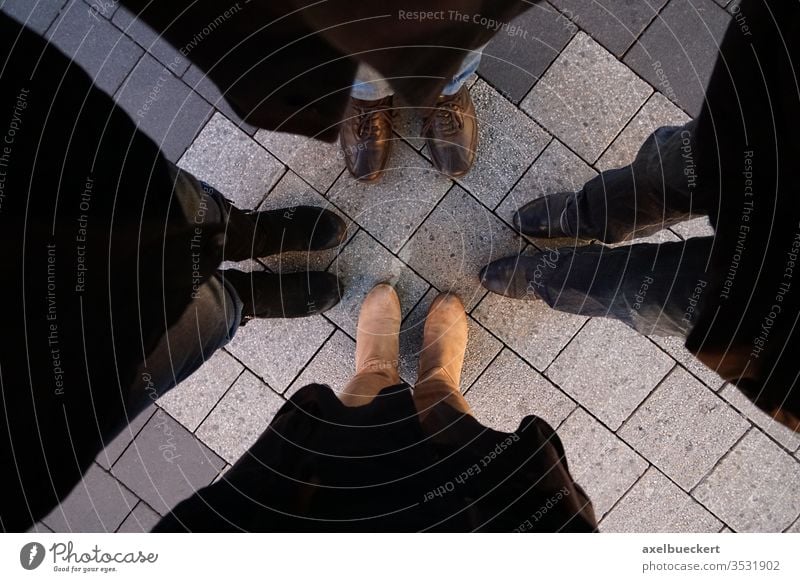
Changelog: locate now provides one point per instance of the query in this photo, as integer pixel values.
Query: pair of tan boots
(378, 351)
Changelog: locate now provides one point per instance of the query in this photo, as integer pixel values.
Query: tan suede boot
(444, 342)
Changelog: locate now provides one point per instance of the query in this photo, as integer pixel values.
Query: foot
(266, 295)
(366, 137)
(271, 232)
(451, 131)
(545, 217)
(519, 277)
(444, 341)
(378, 334)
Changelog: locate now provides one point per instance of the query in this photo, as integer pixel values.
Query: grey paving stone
(691, 228)
(455, 242)
(509, 390)
(165, 464)
(99, 503)
(586, 97)
(599, 462)
(677, 52)
(530, 328)
(410, 183)
(229, 160)
(200, 83)
(163, 107)
(277, 349)
(150, 40)
(240, 417)
(657, 112)
(95, 44)
(37, 16)
(795, 528)
(294, 191)
(40, 528)
(116, 446)
(141, 520)
(334, 365)
(556, 170)
(683, 428)
(613, 23)
(317, 162)
(190, 401)
(360, 266)
(508, 141)
(656, 505)
(104, 8)
(609, 369)
(781, 433)
(675, 348)
(482, 347)
(755, 488)
(516, 58)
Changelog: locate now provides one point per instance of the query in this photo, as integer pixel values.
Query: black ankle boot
(267, 295)
(300, 228)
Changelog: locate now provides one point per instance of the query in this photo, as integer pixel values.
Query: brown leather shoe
(444, 341)
(366, 137)
(451, 131)
(378, 334)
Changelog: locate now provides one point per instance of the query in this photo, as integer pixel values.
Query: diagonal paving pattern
(658, 441)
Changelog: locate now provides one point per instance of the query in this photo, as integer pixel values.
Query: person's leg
(442, 357)
(657, 289)
(377, 347)
(469, 66)
(657, 190)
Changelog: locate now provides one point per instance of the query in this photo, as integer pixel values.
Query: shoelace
(368, 125)
(448, 117)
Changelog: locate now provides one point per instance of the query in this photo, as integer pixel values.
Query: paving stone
(675, 348)
(609, 369)
(104, 8)
(409, 182)
(190, 401)
(655, 504)
(277, 349)
(95, 44)
(98, 503)
(294, 191)
(229, 160)
(530, 328)
(318, 163)
(677, 52)
(613, 23)
(781, 433)
(334, 365)
(37, 16)
(39, 528)
(482, 347)
(696, 227)
(556, 170)
(150, 40)
(165, 464)
(509, 390)
(455, 242)
(755, 488)
(141, 520)
(200, 83)
(513, 62)
(657, 112)
(242, 415)
(599, 462)
(360, 266)
(163, 107)
(795, 528)
(683, 428)
(586, 97)
(116, 446)
(508, 141)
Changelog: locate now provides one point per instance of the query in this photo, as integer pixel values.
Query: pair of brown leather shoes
(450, 129)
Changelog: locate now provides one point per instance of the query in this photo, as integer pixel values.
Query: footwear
(519, 277)
(366, 137)
(300, 228)
(444, 341)
(544, 217)
(378, 333)
(267, 295)
(451, 131)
